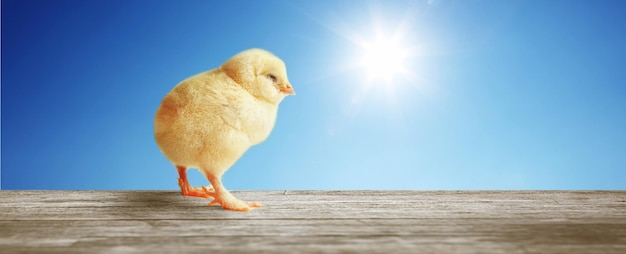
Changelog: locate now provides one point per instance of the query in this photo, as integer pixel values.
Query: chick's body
(209, 120)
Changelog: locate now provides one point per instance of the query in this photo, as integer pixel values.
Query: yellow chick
(209, 120)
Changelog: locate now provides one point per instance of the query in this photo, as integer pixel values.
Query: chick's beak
(287, 89)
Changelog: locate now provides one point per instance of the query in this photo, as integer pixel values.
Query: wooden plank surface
(316, 221)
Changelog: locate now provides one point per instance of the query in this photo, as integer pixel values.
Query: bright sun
(384, 55)
(384, 59)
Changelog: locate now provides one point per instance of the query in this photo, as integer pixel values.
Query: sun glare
(383, 54)
(383, 59)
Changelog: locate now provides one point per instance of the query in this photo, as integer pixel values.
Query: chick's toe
(187, 190)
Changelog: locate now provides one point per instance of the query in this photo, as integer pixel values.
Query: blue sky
(496, 94)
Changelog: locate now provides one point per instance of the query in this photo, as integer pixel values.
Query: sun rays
(384, 60)
(381, 51)
(375, 67)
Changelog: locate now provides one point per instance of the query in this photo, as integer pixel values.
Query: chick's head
(261, 73)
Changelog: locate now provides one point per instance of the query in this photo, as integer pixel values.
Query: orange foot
(187, 190)
(229, 202)
(222, 197)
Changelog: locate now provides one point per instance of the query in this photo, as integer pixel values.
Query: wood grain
(316, 221)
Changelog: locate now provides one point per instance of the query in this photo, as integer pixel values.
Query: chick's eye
(272, 77)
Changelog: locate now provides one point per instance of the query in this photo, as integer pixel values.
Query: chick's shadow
(161, 204)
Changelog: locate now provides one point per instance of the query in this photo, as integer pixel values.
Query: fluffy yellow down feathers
(209, 120)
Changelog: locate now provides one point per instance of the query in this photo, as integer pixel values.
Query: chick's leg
(226, 200)
(187, 190)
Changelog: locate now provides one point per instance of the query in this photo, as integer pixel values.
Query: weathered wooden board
(316, 221)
